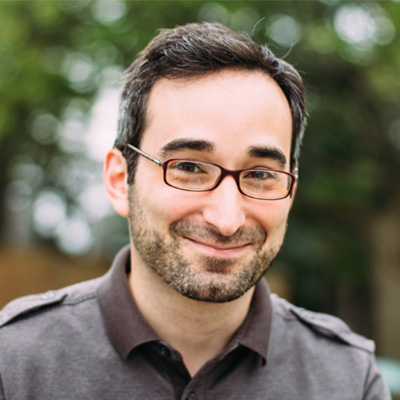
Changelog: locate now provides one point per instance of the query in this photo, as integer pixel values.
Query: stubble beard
(218, 280)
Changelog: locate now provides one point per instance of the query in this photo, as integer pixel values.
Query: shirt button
(191, 396)
(307, 314)
(48, 295)
(165, 352)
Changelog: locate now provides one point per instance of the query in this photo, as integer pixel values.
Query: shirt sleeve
(375, 386)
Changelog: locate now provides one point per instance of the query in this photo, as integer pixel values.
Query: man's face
(210, 246)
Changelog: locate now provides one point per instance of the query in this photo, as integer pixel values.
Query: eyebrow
(272, 153)
(186, 144)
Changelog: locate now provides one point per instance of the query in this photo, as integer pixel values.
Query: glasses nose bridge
(235, 174)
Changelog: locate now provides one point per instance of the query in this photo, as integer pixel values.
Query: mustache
(244, 235)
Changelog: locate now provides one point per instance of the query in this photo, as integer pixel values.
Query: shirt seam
(78, 300)
(48, 307)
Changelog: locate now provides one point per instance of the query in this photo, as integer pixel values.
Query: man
(205, 170)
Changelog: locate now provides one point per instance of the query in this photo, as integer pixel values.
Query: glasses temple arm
(158, 162)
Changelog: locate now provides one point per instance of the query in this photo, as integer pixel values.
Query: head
(202, 92)
(192, 51)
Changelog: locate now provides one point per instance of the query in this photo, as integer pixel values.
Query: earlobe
(294, 189)
(295, 171)
(115, 181)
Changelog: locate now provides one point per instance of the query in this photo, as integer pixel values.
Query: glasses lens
(191, 175)
(265, 184)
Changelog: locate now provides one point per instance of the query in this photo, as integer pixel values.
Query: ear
(295, 171)
(115, 176)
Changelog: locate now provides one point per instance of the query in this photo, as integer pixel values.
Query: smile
(218, 248)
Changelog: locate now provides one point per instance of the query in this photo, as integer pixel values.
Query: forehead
(233, 110)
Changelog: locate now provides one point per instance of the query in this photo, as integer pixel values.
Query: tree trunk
(385, 239)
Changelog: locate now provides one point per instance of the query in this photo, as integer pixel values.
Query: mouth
(218, 249)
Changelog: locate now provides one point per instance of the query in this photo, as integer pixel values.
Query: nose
(225, 208)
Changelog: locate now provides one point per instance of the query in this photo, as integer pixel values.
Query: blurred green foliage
(57, 56)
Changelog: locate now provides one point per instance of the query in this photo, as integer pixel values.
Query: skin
(196, 256)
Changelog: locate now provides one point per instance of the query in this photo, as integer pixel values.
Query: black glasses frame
(224, 172)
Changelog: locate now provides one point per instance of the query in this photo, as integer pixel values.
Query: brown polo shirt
(88, 341)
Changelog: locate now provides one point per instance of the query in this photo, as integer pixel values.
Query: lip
(217, 248)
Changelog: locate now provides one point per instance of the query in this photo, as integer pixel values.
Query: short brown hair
(195, 50)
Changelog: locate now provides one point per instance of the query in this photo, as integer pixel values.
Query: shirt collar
(127, 329)
(125, 326)
(256, 330)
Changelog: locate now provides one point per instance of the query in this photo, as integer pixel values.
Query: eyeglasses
(198, 176)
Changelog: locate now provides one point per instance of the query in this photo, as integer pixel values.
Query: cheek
(164, 204)
(274, 218)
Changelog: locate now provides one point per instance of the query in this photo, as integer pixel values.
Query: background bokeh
(60, 72)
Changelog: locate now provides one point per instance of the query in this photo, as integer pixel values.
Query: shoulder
(322, 350)
(32, 306)
(325, 326)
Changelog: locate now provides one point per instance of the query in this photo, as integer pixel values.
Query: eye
(259, 174)
(187, 166)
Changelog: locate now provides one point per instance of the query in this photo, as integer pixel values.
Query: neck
(199, 330)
